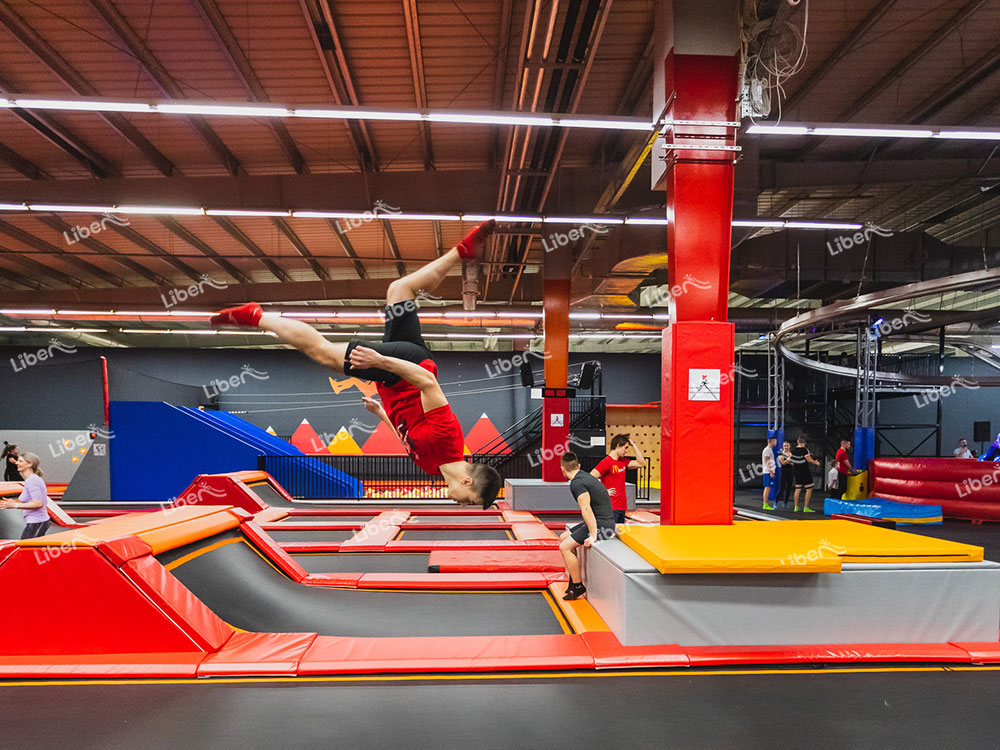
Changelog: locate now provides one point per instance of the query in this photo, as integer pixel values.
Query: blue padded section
(876, 507)
(158, 449)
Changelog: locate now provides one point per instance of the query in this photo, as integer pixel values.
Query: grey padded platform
(534, 494)
(877, 603)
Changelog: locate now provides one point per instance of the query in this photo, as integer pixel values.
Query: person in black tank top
(598, 520)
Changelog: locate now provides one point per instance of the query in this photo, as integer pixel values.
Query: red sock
(244, 315)
(471, 245)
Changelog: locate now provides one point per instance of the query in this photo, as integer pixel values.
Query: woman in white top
(33, 500)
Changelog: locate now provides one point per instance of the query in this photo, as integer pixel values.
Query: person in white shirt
(768, 466)
(962, 451)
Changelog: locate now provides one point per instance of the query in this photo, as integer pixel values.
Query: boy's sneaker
(575, 591)
(244, 315)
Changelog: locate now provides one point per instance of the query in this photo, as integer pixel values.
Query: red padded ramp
(330, 655)
(79, 666)
(495, 561)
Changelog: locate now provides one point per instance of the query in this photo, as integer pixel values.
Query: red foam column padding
(555, 437)
(697, 435)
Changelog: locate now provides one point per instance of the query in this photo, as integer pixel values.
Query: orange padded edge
(172, 537)
(273, 551)
(581, 616)
(519, 516)
(332, 655)
(127, 525)
(609, 653)
(496, 561)
(258, 654)
(270, 515)
(78, 666)
(532, 531)
(453, 581)
(197, 621)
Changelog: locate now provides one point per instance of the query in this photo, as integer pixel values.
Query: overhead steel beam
(229, 226)
(21, 165)
(788, 175)
(58, 225)
(851, 40)
(68, 75)
(164, 81)
(61, 138)
(390, 237)
(240, 65)
(968, 79)
(47, 248)
(192, 239)
(43, 272)
(411, 17)
(500, 74)
(323, 28)
(9, 274)
(144, 242)
(285, 228)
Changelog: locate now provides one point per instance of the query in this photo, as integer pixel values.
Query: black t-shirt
(600, 500)
(799, 453)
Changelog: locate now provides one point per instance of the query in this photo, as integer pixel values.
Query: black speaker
(527, 376)
(981, 432)
(589, 372)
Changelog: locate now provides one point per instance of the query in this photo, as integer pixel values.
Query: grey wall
(280, 388)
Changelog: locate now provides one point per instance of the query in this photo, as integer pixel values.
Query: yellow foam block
(786, 547)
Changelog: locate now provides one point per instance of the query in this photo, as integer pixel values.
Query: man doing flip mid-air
(402, 366)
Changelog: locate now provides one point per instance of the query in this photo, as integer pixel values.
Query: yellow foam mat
(786, 547)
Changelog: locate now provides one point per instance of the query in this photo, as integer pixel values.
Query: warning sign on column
(704, 385)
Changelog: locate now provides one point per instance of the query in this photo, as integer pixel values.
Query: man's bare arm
(431, 395)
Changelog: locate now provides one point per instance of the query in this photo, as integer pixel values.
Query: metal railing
(399, 477)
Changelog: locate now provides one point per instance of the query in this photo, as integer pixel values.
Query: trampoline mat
(429, 535)
(269, 495)
(237, 583)
(311, 536)
(12, 524)
(454, 519)
(346, 562)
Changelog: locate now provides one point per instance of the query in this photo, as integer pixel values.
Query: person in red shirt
(412, 402)
(611, 472)
(844, 467)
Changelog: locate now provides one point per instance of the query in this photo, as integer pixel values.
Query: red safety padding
(962, 487)
(205, 629)
(495, 561)
(258, 654)
(59, 516)
(851, 652)
(374, 534)
(337, 580)
(408, 545)
(219, 489)
(519, 516)
(502, 505)
(455, 581)
(120, 551)
(270, 515)
(609, 653)
(6, 550)
(77, 602)
(331, 655)
(310, 526)
(531, 531)
(981, 653)
(78, 666)
(274, 552)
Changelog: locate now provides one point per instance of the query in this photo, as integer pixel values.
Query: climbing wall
(643, 424)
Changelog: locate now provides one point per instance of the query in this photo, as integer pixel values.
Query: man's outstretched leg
(429, 276)
(300, 335)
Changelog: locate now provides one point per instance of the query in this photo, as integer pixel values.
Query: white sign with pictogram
(704, 385)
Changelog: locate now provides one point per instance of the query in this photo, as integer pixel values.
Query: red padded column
(555, 411)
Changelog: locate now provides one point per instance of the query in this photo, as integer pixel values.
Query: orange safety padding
(609, 653)
(120, 551)
(284, 562)
(205, 629)
(270, 515)
(127, 525)
(495, 561)
(518, 516)
(177, 535)
(582, 617)
(78, 603)
(642, 516)
(374, 535)
(79, 666)
(532, 531)
(336, 580)
(981, 653)
(258, 654)
(453, 581)
(333, 655)
(850, 652)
